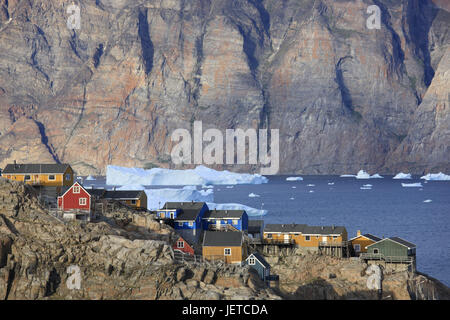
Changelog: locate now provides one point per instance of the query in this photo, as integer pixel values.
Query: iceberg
(294, 179)
(364, 175)
(237, 206)
(201, 175)
(402, 175)
(156, 198)
(412, 185)
(347, 176)
(427, 201)
(253, 195)
(436, 177)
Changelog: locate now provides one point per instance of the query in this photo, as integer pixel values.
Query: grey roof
(371, 237)
(189, 210)
(304, 229)
(260, 259)
(224, 214)
(291, 227)
(96, 192)
(255, 226)
(222, 239)
(35, 168)
(403, 242)
(122, 194)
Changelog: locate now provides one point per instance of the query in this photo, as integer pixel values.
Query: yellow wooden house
(46, 175)
(361, 241)
(132, 198)
(303, 235)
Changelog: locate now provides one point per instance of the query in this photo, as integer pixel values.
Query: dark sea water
(388, 209)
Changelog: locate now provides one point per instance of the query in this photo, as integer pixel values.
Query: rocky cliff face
(343, 97)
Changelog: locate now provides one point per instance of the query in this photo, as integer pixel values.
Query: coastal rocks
(117, 257)
(324, 277)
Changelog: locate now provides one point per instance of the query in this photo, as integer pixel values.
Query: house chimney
(332, 227)
(321, 227)
(15, 164)
(358, 233)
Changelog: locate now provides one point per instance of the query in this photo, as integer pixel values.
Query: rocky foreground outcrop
(319, 277)
(344, 97)
(127, 255)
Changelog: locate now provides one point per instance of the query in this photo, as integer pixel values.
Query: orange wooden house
(45, 175)
(227, 246)
(361, 241)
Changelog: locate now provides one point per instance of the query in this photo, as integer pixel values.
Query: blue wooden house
(257, 262)
(186, 218)
(222, 220)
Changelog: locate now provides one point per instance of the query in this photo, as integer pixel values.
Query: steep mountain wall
(343, 97)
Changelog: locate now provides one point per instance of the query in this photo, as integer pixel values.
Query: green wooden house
(392, 249)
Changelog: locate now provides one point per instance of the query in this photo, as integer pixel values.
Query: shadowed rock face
(343, 97)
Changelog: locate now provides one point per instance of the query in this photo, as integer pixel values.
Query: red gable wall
(187, 248)
(71, 200)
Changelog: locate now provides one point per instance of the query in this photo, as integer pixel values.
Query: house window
(251, 261)
(190, 224)
(51, 177)
(307, 238)
(68, 177)
(162, 214)
(235, 222)
(82, 201)
(27, 177)
(171, 215)
(9, 177)
(227, 251)
(133, 201)
(376, 251)
(76, 189)
(269, 236)
(357, 247)
(180, 224)
(334, 237)
(180, 244)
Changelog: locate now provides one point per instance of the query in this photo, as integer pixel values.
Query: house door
(36, 178)
(218, 224)
(286, 238)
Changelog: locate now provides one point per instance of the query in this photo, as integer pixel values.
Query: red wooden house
(75, 202)
(183, 246)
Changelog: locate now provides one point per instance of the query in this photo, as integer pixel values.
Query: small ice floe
(436, 177)
(311, 191)
(331, 183)
(366, 188)
(253, 195)
(207, 186)
(294, 179)
(402, 175)
(229, 187)
(294, 187)
(347, 176)
(291, 198)
(427, 201)
(90, 178)
(412, 185)
(368, 185)
(310, 185)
